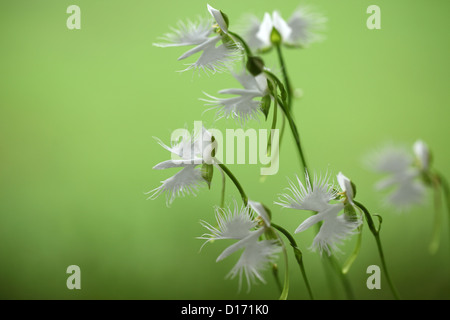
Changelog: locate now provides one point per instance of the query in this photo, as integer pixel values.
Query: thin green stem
(446, 190)
(273, 127)
(298, 256)
(337, 268)
(247, 49)
(235, 181)
(277, 277)
(295, 133)
(436, 234)
(376, 234)
(343, 277)
(222, 197)
(285, 76)
(355, 253)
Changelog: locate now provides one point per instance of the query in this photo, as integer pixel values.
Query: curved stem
(376, 234)
(222, 197)
(436, 234)
(294, 133)
(235, 181)
(298, 256)
(343, 277)
(446, 190)
(247, 49)
(355, 253)
(285, 76)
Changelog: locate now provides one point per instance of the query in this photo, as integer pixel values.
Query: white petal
(391, 159)
(173, 164)
(213, 59)
(281, 25)
(260, 210)
(265, 29)
(248, 81)
(422, 153)
(314, 196)
(242, 108)
(232, 224)
(346, 186)
(252, 237)
(190, 33)
(187, 181)
(217, 15)
(251, 37)
(407, 194)
(305, 25)
(333, 230)
(208, 44)
(309, 222)
(256, 257)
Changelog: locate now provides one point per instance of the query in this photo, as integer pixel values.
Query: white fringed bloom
(213, 57)
(403, 171)
(243, 107)
(316, 196)
(299, 31)
(188, 154)
(243, 225)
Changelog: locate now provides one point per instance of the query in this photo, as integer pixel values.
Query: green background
(79, 108)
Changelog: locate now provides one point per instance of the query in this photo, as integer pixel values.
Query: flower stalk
(376, 234)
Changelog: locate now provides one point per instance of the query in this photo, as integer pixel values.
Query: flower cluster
(337, 215)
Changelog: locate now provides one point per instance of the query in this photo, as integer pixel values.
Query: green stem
(376, 234)
(235, 181)
(273, 127)
(295, 133)
(337, 268)
(343, 277)
(298, 256)
(285, 76)
(355, 253)
(247, 49)
(222, 197)
(436, 234)
(446, 190)
(277, 278)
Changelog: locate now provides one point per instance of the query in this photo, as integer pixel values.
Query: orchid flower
(246, 225)
(243, 107)
(316, 196)
(213, 57)
(189, 154)
(403, 171)
(298, 31)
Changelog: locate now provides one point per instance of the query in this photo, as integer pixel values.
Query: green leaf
(265, 104)
(207, 173)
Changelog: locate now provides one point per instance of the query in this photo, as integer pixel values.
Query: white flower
(300, 30)
(316, 196)
(213, 57)
(403, 175)
(243, 107)
(242, 225)
(188, 154)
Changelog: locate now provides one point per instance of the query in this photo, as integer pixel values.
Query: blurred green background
(79, 108)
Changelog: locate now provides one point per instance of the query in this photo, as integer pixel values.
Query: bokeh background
(79, 108)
